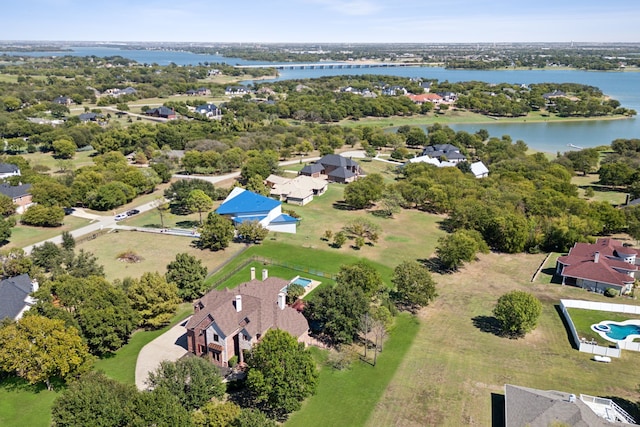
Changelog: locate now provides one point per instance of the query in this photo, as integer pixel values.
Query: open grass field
(601, 193)
(81, 158)
(457, 361)
(583, 319)
(25, 235)
(411, 234)
(157, 250)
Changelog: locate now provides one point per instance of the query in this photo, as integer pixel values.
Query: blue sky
(323, 21)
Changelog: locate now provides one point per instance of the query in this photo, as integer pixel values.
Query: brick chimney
(238, 303)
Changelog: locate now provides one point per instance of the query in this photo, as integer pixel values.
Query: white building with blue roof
(243, 205)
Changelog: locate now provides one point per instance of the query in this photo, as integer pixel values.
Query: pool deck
(310, 287)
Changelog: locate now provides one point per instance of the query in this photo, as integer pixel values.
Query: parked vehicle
(133, 212)
(121, 216)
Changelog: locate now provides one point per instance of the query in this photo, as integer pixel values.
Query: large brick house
(226, 322)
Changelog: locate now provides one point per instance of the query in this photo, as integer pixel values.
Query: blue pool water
(302, 282)
(620, 332)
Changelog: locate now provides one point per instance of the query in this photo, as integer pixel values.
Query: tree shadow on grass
(566, 326)
(187, 224)
(434, 265)
(341, 205)
(488, 324)
(13, 384)
(551, 271)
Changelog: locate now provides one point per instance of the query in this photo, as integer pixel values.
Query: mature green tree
(362, 275)
(416, 136)
(455, 249)
(48, 256)
(154, 299)
(282, 373)
(415, 287)
(363, 192)
(43, 216)
(616, 173)
(260, 163)
(250, 417)
(188, 273)
(517, 312)
(14, 261)
(51, 193)
(337, 311)
(194, 381)
(294, 291)
(339, 239)
(178, 192)
(158, 408)
(5, 230)
(362, 227)
(252, 231)
(163, 171)
(68, 242)
(216, 414)
(94, 400)
(100, 310)
(198, 201)
(39, 349)
(256, 184)
(584, 160)
(7, 208)
(84, 264)
(216, 232)
(64, 148)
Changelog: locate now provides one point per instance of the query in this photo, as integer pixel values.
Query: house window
(201, 349)
(246, 337)
(216, 356)
(216, 338)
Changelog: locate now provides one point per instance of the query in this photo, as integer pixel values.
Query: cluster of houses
(448, 155)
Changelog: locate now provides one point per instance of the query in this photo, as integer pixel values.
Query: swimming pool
(302, 281)
(618, 331)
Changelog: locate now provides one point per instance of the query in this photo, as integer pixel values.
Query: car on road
(133, 212)
(121, 216)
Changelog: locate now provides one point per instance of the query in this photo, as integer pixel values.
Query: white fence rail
(600, 306)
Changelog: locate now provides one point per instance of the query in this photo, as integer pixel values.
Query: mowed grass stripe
(347, 398)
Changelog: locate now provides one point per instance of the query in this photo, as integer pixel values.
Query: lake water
(549, 137)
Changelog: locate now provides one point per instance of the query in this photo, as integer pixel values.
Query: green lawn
(25, 235)
(81, 158)
(601, 193)
(347, 398)
(22, 404)
(121, 365)
(583, 319)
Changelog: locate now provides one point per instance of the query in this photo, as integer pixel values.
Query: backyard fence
(586, 347)
(268, 261)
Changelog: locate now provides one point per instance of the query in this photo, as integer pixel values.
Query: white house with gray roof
(15, 296)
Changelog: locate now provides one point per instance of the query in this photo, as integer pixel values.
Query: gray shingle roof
(336, 160)
(14, 191)
(8, 168)
(13, 292)
(540, 408)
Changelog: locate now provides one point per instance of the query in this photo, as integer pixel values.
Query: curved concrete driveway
(171, 345)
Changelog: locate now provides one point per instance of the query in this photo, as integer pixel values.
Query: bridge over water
(331, 66)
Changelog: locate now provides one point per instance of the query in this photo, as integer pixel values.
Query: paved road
(99, 223)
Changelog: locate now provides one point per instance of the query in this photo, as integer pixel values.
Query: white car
(121, 216)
